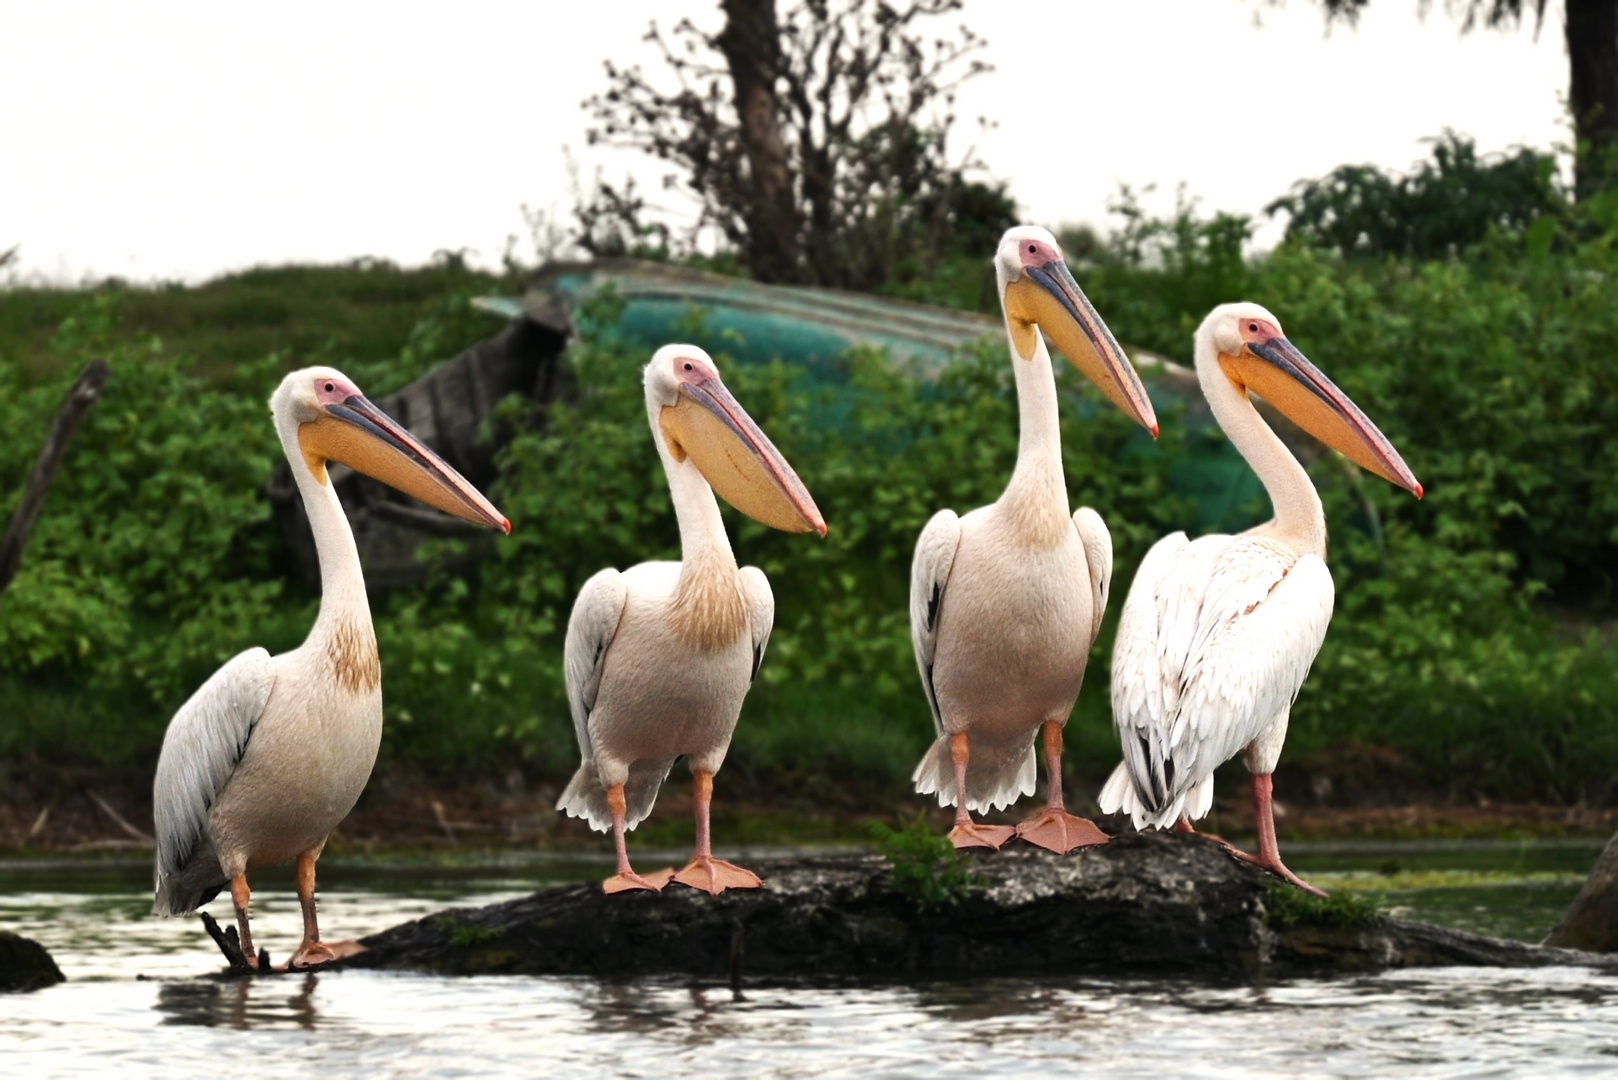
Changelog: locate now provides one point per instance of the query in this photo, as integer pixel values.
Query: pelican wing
(760, 612)
(929, 579)
(1097, 543)
(590, 630)
(201, 749)
(1214, 643)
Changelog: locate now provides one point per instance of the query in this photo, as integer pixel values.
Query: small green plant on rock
(1286, 906)
(923, 865)
(465, 936)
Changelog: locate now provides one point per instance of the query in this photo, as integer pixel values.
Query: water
(134, 1004)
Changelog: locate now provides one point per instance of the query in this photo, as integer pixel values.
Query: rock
(1591, 921)
(1146, 902)
(25, 965)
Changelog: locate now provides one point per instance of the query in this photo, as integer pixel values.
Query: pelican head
(333, 421)
(701, 421)
(1038, 293)
(1255, 355)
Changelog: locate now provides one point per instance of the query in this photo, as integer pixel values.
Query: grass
(364, 312)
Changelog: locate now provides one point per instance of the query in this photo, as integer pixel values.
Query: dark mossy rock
(25, 965)
(1144, 903)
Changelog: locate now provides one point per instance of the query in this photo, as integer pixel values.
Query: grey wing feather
(760, 611)
(204, 743)
(929, 581)
(1097, 543)
(590, 630)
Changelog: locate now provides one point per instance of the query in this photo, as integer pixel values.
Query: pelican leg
(626, 878)
(1056, 829)
(1269, 852)
(966, 833)
(711, 875)
(311, 952)
(242, 897)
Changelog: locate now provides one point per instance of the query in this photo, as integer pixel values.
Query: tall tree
(1590, 28)
(813, 136)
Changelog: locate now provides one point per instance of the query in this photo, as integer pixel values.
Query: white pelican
(271, 752)
(1218, 633)
(659, 657)
(1006, 601)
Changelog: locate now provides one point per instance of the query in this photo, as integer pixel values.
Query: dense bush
(1492, 369)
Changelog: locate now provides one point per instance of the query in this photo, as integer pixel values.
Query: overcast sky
(171, 141)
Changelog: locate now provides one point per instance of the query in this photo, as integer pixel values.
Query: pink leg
(626, 878)
(1269, 852)
(966, 834)
(711, 875)
(242, 897)
(1056, 829)
(1184, 828)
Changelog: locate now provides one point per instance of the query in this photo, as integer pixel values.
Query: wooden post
(79, 399)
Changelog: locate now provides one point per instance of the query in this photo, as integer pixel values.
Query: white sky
(173, 141)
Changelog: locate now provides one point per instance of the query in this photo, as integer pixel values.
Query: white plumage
(1214, 642)
(1006, 601)
(1217, 634)
(269, 754)
(659, 657)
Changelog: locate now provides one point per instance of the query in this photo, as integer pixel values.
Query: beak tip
(505, 525)
(1154, 429)
(1418, 491)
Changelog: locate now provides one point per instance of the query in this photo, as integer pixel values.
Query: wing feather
(590, 630)
(1097, 543)
(1214, 642)
(760, 612)
(929, 582)
(201, 749)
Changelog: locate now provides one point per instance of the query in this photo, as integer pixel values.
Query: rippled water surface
(134, 1006)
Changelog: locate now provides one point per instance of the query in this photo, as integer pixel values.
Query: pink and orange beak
(354, 432)
(1272, 367)
(1047, 298)
(708, 425)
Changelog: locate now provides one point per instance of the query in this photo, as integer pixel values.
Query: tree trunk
(751, 44)
(1592, 50)
(79, 399)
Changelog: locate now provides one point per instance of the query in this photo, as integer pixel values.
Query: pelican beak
(1047, 298)
(358, 434)
(708, 425)
(1283, 376)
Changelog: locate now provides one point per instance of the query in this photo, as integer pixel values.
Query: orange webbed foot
(973, 835)
(1061, 832)
(714, 876)
(632, 881)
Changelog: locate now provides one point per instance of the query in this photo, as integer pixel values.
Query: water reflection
(242, 1004)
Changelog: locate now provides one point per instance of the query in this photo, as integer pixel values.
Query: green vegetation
(1289, 906)
(923, 865)
(466, 936)
(1468, 654)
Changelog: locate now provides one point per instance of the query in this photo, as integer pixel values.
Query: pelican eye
(1252, 328)
(688, 367)
(330, 388)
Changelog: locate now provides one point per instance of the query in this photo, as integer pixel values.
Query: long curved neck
(1299, 517)
(343, 602)
(1036, 495)
(707, 612)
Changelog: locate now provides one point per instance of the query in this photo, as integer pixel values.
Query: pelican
(659, 657)
(271, 752)
(1006, 601)
(1218, 633)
